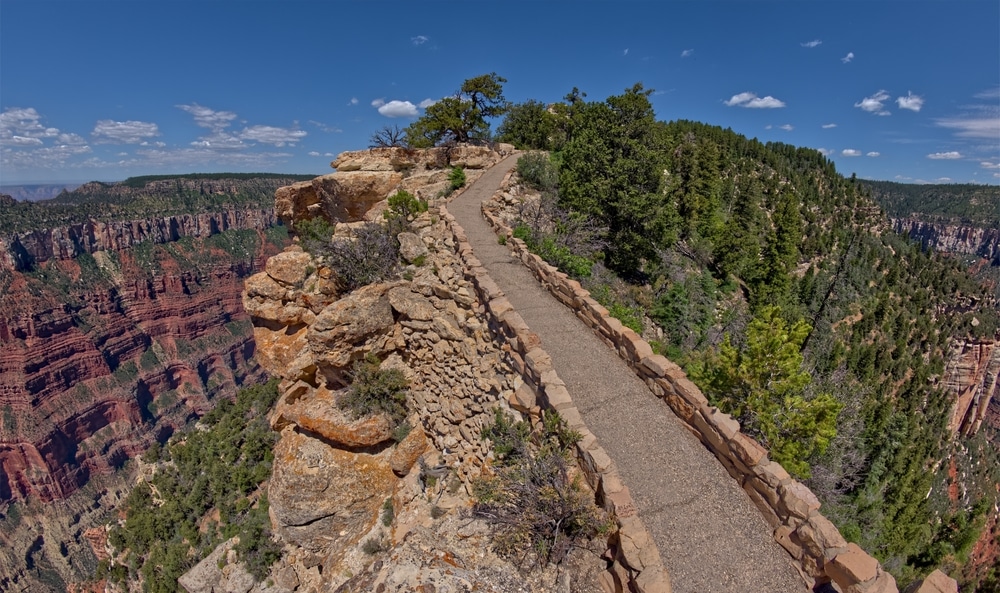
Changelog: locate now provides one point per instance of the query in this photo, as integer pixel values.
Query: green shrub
(509, 437)
(388, 514)
(314, 234)
(538, 171)
(404, 204)
(375, 545)
(456, 178)
(376, 391)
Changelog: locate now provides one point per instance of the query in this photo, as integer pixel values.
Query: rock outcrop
(366, 177)
(952, 238)
(973, 376)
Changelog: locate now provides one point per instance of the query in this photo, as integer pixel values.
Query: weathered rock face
(984, 242)
(973, 376)
(323, 497)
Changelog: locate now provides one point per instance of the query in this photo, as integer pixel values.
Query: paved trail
(711, 537)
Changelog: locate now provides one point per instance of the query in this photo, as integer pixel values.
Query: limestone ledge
(819, 551)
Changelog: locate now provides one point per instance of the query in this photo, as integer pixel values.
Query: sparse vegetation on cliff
(169, 525)
(537, 510)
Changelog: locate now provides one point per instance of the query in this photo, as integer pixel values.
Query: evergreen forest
(779, 286)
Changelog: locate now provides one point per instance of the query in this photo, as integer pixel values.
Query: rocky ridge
(334, 476)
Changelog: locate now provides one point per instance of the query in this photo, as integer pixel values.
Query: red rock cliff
(102, 353)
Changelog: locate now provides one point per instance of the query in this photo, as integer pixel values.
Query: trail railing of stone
(673, 469)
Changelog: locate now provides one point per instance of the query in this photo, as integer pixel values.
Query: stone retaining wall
(637, 565)
(821, 553)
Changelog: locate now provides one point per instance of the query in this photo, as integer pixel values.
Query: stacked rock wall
(819, 550)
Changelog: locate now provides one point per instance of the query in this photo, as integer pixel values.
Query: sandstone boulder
(472, 157)
(936, 582)
(411, 247)
(318, 412)
(408, 451)
(322, 498)
(284, 352)
(296, 202)
(289, 267)
(410, 304)
(347, 323)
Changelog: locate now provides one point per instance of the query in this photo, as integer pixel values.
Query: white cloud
(687, 53)
(328, 154)
(811, 44)
(825, 151)
(124, 132)
(326, 128)
(787, 127)
(910, 101)
(828, 126)
(989, 165)
(398, 109)
(768, 127)
(874, 154)
(752, 101)
(847, 59)
(378, 102)
(22, 141)
(24, 123)
(209, 118)
(313, 153)
(993, 93)
(625, 53)
(156, 144)
(945, 156)
(874, 104)
(974, 127)
(426, 103)
(353, 101)
(420, 39)
(902, 178)
(273, 135)
(850, 152)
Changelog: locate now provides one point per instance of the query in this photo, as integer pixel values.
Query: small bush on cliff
(372, 255)
(314, 234)
(537, 511)
(405, 204)
(456, 178)
(376, 390)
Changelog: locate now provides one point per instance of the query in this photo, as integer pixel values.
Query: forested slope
(781, 288)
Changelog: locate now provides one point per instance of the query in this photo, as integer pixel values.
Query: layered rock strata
(96, 364)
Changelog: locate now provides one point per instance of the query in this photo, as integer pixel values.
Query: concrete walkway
(710, 536)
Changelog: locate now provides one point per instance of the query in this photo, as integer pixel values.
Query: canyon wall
(114, 333)
(951, 238)
(25, 250)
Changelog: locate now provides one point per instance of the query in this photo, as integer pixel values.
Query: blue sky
(898, 90)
